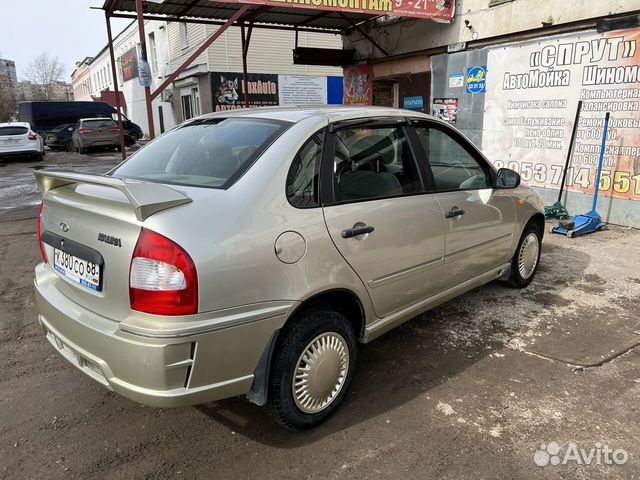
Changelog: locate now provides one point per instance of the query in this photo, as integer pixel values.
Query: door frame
(327, 177)
(460, 138)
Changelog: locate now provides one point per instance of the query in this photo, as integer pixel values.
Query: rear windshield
(106, 123)
(204, 153)
(13, 130)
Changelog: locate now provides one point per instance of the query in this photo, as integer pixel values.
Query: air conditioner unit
(167, 95)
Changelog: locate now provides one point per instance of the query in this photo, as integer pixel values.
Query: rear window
(205, 153)
(106, 123)
(13, 131)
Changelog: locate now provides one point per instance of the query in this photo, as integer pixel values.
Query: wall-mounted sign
(228, 90)
(477, 79)
(456, 81)
(302, 90)
(358, 85)
(144, 73)
(129, 65)
(445, 109)
(456, 47)
(413, 103)
(441, 10)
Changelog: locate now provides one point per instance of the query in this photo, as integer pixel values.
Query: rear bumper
(98, 143)
(186, 363)
(20, 152)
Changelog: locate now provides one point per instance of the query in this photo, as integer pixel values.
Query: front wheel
(312, 368)
(524, 264)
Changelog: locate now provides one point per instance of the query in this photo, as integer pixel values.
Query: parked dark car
(60, 138)
(95, 132)
(45, 116)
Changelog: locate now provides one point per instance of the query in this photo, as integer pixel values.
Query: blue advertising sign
(477, 79)
(414, 103)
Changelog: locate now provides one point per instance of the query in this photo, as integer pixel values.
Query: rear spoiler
(146, 198)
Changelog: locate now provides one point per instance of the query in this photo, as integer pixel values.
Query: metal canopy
(261, 15)
(331, 16)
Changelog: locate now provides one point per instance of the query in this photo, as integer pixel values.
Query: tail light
(85, 130)
(163, 278)
(44, 254)
(32, 136)
(113, 129)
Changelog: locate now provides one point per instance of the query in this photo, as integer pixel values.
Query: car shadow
(421, 354)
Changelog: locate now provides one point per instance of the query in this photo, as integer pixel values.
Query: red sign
(440, 10)
(358, 85)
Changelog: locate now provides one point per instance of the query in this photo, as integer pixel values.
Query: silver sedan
(249, 252)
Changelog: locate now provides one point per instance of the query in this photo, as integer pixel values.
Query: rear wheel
(38, 157)
(69, 146)
(312, 368)
(527, 257)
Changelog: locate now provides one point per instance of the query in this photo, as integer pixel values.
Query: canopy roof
(332, 15)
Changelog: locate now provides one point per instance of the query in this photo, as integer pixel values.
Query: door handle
(454, 212)
(355, 232)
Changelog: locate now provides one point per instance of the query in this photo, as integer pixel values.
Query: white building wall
(101, 77)
(270, 51)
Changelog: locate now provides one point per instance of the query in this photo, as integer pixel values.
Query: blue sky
(66, 28)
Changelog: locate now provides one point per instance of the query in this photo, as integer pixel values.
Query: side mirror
(507, 178)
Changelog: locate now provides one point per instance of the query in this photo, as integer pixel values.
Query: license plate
(80, 271)
(10, 141)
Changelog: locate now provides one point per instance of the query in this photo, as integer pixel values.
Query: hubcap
(320, 372)
(528, 256)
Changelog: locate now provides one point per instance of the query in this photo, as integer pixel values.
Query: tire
(69, 146)
(521, 278)
(82, 150)
(330, 330)
(38, 157)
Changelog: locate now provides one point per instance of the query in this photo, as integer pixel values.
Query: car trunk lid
(98, 219)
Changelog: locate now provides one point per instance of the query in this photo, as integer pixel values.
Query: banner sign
(228, 90)
(302, 90)
(439, 10)
(531, 101)
(129, 65)
(445, 109)
(358, 85)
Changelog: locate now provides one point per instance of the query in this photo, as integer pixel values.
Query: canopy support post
(114, 75)
(246, 39)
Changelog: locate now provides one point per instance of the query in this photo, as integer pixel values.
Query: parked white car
(17, 139)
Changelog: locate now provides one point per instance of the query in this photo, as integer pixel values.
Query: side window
(453, 167)
(302, 179)
(374, 163)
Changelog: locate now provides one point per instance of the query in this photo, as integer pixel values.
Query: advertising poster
(477, 79)
(438, 10)
(456, 81)
(445, 109)
(532, 97)
(129, 65)
(228, 90)
(358, 85)
(302, 90)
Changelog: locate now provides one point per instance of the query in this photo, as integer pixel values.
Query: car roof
(334, 113)
(15, 124)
